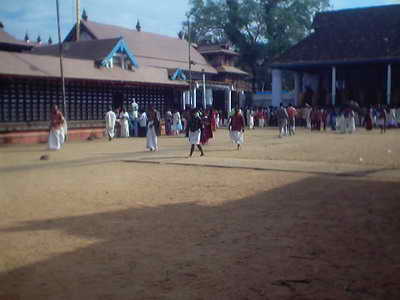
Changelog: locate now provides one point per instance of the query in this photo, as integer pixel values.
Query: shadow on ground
(319, 238)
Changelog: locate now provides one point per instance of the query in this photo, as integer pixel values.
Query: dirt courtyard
(314, 216)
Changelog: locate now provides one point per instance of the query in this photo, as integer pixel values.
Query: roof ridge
(358, 8)
(130, 30)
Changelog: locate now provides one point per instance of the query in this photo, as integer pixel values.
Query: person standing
(194, 127)
(57, 132)
(124, 121)
(168, 123)
(110, 123)
(151, 134)
(368, 120)
(382, 118)
(261, 118)
(135, 118)
(207, 132)
(236, 128)
(142, 124)
(307, 115)
(176, 123)
(292, 119)
(250, 118)
(282, 117)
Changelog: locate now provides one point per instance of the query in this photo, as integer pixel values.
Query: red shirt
(237, 123)
(291, 112)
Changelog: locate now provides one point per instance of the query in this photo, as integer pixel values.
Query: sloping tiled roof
(6, 38)
(24, 64)
(351, 35)
(211, 49)
(152, 49)
(91, 50)
(230, 69)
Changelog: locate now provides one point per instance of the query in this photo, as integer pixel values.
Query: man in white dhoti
(110, 124)
(250, 118)
(307, 115)
(151, 135)
(124, 121)
(194, 127)
(236, 128)
(349, 121)
(57, 131)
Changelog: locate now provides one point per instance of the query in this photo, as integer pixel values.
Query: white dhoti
(110, 130)
(237, 137)
(194, 137)
(124, 128)
(261, 123)
(56, 138)
(251, 122)
(110, 124)
(151, 138)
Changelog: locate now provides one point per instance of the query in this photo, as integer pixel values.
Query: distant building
(351, 54)
(106, 61)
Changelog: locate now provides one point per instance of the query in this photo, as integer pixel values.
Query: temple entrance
(219, 100)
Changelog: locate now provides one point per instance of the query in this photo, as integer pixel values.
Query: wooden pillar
(184, 100)
(229, 102)
(276, 87)
(194, 97)
(297, 78)
(333, 85)
(389, 84)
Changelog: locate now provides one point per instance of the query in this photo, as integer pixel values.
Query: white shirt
(143, 120)
(135, 106)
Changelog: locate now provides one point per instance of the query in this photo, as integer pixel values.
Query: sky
(39, 17)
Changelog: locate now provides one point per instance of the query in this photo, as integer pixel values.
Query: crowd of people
(198, 125)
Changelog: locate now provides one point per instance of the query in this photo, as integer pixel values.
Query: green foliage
(258, 29)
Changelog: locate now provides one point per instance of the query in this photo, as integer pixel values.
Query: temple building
(350, 55)
(108, 66)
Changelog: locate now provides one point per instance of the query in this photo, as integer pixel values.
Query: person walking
(194, 128)
(236, 128)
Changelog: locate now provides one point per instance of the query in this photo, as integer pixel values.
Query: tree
(258, 29)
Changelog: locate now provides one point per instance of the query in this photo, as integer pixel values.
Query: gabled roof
(150, 49)
(96, 50)
(26, 64)
(352, 35)
(178, 74)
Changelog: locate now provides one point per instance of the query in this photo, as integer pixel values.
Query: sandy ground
(103, 220)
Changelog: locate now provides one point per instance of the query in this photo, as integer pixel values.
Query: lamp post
(190, 61)
(60, 50)
(204, 90)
